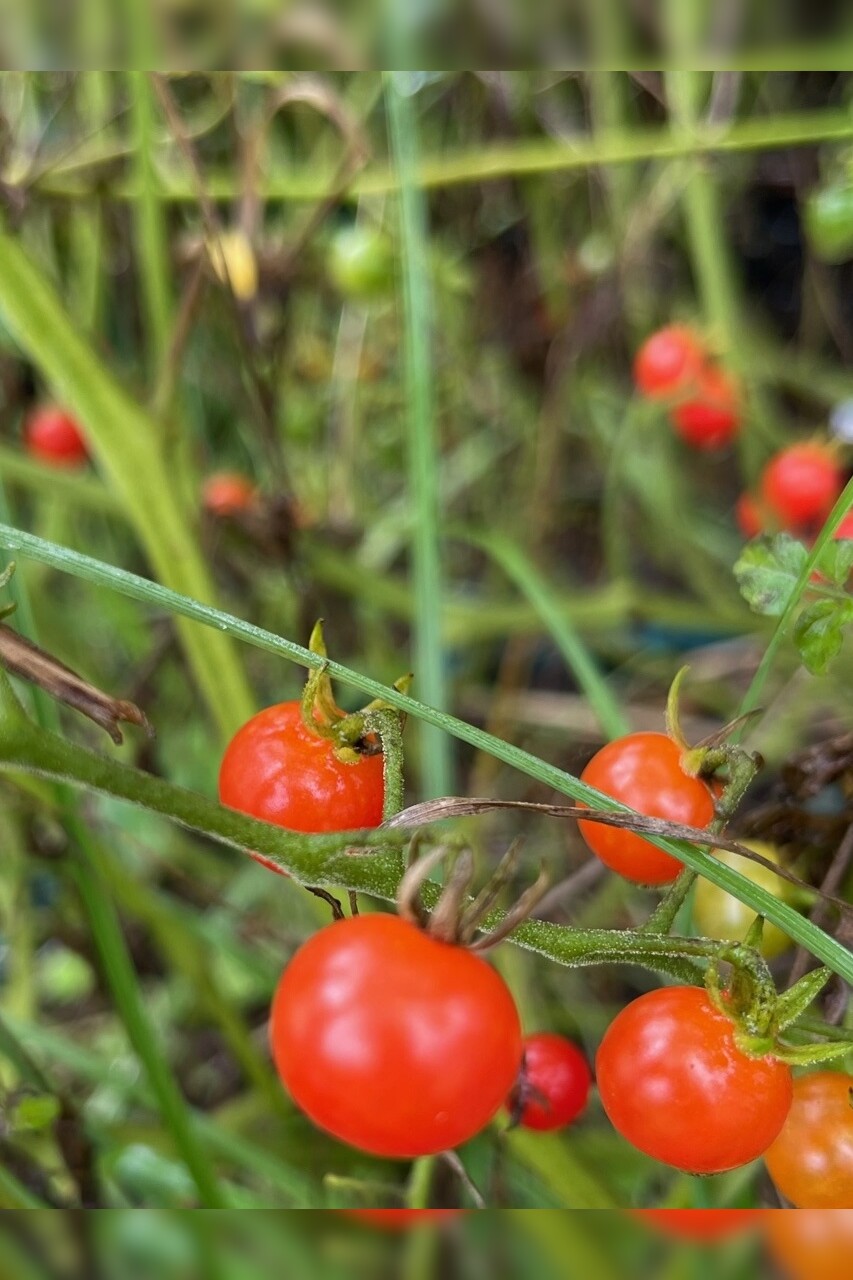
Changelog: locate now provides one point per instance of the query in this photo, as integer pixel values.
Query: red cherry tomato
(675, 1084)
(391, 1041)
(710, 418)
(644, 770)
(555, 1083)
(811, 1162)
(748, 516)
(801, 484)
(668, 362)
(227, 493)
(812, 1244)
(53, 436)
(700, 1224)
(276, 769)
(400, 1219)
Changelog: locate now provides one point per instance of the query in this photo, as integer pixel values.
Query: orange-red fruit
(668, 363)
(748, 516)
(52, 436)
(227, 493)
(811, 1162)
(644, 771)
(801, 484)
(710, 417)
(812, 1244)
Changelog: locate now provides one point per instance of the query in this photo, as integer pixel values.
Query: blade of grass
(152, 245)
(436, 766)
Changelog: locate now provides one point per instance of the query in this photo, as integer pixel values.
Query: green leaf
(793, 1003)
(819, 633)
(37, 1111)
(836, 561)
(767, 573)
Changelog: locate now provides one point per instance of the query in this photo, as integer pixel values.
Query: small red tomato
(554, 1085)
(710, 418)
(276, 769)
(812, 1244)
(700, 1224)
(668, 362)
(227, 493)
(401, 1219)
(801, 484)
(674, 1082)
(53, 436)
(811, 1162)
(392, 1041)
(748, 516)
(644, 770)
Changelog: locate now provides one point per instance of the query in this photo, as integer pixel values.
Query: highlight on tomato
(554, 1086)
(700, 1224)
(392, 1041)
(644, 771)
(675, 1083)
(54, 437)
(811, 1161)
(718, 914)
(669, 362)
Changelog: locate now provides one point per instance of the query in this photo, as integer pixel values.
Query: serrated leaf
(36, 1111)
(819, 633)
(767, 573)
(836, 561)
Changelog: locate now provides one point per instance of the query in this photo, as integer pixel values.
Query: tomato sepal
(793, 1003)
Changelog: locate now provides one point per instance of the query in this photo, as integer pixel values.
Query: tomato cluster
(674, 366)
(796, 492)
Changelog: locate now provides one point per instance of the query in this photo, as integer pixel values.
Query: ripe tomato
(401, 1219)
(391, 1041)
(52, 436)
(800, 485)
(718, 914)
(710, 418)
(668, 362)
(700, 1224)
(811, 1162)
(644, 770)
(276, 769)
(675, 1084)
(748, 516)
(361, 262)
(812, 1244)
(227, 493)
(555, 1083)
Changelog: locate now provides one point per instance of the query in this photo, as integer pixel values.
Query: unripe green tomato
(716, 914)
(829, 222)
(361, 262)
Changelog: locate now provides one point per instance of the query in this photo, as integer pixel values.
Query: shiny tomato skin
(391, 1041)
(801, 484)
(710, 417)
(644, 770)
(811, 1162)
(674, 1083)
(668, 362)
(227, 493)
(557, 1081)
(53, 436)
(700, 1224)
(748, 516)
(401, 1219)
(812, 1244)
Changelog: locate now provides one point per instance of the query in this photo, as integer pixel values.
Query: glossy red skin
(811, 1162)
(644, 770)
(392, 1042)
(227, 493)
(274, 768)
(812, 1244)
(700, 1224)
(53, 437)
(674, 1083)
(710, 418)
(401, 1219)
(801, 484)
(668, 362)
(557, 1082)
(748, 516)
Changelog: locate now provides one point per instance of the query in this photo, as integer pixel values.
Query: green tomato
(361, 262)
(828, 219)
(716, 914)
